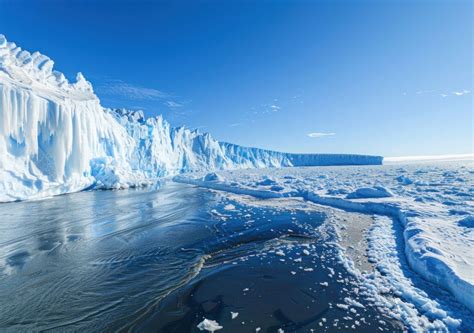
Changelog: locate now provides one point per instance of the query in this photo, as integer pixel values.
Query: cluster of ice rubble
(432, 205)
(56, 138)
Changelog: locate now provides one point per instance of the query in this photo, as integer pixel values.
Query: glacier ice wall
(56, 138)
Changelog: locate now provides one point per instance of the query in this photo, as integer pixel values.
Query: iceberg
(56, 138)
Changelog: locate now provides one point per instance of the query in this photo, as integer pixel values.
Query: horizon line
(442, 157)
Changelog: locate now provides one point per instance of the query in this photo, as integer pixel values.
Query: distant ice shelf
(55, 138)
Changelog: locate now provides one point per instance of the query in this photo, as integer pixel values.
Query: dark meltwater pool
(162, 261)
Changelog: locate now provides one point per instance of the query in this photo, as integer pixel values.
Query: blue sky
(378, 77)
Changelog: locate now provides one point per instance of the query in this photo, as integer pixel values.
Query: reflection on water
(111, 260)
(89, 259)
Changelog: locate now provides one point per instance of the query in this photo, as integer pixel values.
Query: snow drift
(56, 138)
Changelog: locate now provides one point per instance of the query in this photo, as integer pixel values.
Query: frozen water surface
(422, 243)
(122, 259)
(167, 260)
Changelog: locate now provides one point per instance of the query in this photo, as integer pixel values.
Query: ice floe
(434, 211)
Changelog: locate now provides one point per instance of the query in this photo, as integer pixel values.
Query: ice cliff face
(56, 138)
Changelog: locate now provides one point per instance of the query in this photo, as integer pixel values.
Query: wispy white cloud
(266, 108)
(298, 98)
(124, 90)
(441, 93)
(320, 134)
(173, 104)
(117, 87)
(460, 93)
(422, 92)
(275, 108)
(235, 124)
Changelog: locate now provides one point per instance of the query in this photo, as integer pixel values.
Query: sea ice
(209, 325)
(370, 192)
(435, 211)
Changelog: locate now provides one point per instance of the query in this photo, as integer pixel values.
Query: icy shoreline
(437, 245)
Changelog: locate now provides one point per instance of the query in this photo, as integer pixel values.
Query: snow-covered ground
(433, 205)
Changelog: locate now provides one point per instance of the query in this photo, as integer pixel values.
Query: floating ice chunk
(342, 306)
(234, 314)
(229, 207)
(267, 182)
(353, 302)
(370, 192)
(404, 180)
(280, 253)
(209, 325)
(213, 177)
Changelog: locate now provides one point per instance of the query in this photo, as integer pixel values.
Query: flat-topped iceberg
(55, 138)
